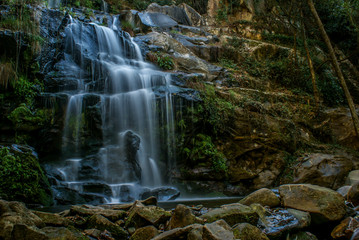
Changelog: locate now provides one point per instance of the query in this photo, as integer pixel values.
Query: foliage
(222, 12)
(202, 149)
(165, 62)
(22, 178)
(7, 75)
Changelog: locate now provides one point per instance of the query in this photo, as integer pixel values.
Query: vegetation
(22, 177)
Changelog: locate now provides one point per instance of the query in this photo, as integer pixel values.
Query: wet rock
(62, 233)
(101, 223)
(97, 187)
(162, 193)
(325, 170)
(182, 217)
(217, 231)
(140, 216)
(344, 191)
(246, 231)
(263, 196)
(275, 222)
(303, 218)
(353, 177)
(52, 219)
(325, 204)
(232, 214)
(87, 210)
(178, 233)
(145, 233)
(132, 144)
(345, 229)
(67, 196)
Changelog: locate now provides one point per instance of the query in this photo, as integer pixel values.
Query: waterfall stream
(112, 98)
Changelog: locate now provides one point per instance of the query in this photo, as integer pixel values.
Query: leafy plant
(165, 62)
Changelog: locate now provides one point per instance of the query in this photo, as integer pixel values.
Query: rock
(182, 217)
(25, 232)
(151, 19)
(195, 234)
(302, 236)
(353, 177)
(161, 193)
(353, 194)
(182, 13)
(59, 233)
(232, 214)
(178, 233)
(345, 229)
(217, 231)
(140, 216)
(303, 218)
(324, 203)
(263, 196)
(15, 213)
(101, 223)
(87, 210)
(344, 191)
(277, 222)
(340, 122)
(325, 170)
(145, 233)
(93, 233)
(246, 231)
(266, 51)
(52, 219)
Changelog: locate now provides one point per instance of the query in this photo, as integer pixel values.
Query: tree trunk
(336, 66)
(311, 67)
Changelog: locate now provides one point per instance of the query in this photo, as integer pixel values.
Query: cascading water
(111, 97)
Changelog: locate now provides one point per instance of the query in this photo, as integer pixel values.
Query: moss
(22, 177)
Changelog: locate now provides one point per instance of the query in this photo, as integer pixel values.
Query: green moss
(22, 178)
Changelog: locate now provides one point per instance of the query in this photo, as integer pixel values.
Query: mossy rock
(22, 178)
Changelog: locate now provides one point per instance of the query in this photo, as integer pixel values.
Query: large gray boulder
(263, 196)
(217, 231)
(323, 203)
(182, 217)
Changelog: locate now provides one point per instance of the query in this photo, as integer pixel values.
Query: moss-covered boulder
(140, 216)
(101, 223)
(22, 177)
(145, 233)
(246, 231)
(182, 217)
(232, 214)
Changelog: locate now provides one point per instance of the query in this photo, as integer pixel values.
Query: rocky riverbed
(292, 211)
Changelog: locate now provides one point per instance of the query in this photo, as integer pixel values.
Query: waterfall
(113, 99)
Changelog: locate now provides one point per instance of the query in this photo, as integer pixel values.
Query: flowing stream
(112, 98)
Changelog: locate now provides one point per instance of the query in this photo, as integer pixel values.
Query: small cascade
(54, 3)
(110, 143)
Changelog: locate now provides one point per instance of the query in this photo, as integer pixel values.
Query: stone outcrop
(263, 196)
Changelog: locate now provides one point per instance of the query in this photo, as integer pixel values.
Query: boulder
(303, 218)
(179, 233)
(57, 233)
(140, 216)
(344, 191)
(145, 233)
(325, 170)
(267, 51)
(182, 217)
(353, 194)
(353, 177)
(323, 203)
(345, 229)
(25, 232)
(340, 122)
(161, 193)
(246, 231)
(87, 210)
(217, 231)
(16, 214)
(152, 19)
(232, 214)
(263, 196)
(101, 223)
(52, 219)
